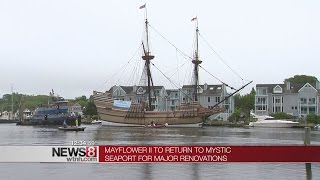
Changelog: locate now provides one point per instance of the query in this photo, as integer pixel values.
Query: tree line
(22, 101)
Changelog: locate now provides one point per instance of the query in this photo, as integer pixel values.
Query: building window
(208, 99)
(261, 108)
(312, 110)
(264, 92)
(304, 110)
(172, 102)
(217, 99)
(312, 100)
(261, 100)
(261, 91)
(303, 100)
(278, 109)
(277, 99)
(277, 89)
(140, 91)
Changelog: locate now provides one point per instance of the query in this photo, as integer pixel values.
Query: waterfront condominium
(294, 99)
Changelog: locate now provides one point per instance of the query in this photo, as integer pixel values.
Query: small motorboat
(269, 121)
(71, 128)
(96, 122)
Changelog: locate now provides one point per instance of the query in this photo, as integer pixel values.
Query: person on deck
(65, 124)
(79, 120)
(76, 122)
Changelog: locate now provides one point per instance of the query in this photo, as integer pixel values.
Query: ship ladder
(130, 112)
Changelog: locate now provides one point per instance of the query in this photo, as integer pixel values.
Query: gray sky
(77, 46)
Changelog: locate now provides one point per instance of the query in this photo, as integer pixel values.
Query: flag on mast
(143, 6)
(194, 18)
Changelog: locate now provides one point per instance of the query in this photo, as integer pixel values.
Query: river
(10, 134)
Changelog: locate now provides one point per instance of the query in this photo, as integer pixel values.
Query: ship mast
(196, 61)
(147, 57)
(11, 103)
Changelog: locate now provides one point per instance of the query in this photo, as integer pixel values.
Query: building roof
(294, 88)
(129, 89)
(211, 89)
(169, 91)
(271, 86)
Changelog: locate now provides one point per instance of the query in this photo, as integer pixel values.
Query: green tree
(82, 100)
(235, 117)
(245, 103)
(281, 115)
(302, 79)
(313, 118)
(90, 108)
(22, 101)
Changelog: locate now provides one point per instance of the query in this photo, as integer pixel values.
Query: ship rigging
(142, 110)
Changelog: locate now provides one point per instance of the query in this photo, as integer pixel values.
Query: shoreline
(230, 124)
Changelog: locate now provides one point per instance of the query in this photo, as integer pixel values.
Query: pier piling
(307, 136)
(307, 131)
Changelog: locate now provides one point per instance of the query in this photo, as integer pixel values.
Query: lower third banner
(209, 154)
(159, 154)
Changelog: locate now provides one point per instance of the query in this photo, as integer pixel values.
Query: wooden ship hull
(189, 115)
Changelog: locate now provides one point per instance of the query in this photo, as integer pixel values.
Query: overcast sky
(77, 46)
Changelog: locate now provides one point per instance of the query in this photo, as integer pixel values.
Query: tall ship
(142, 110)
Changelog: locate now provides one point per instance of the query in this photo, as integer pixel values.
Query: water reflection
(147, 171)
(201, 136)
(308, 171)
(195, 170)
(20, 135)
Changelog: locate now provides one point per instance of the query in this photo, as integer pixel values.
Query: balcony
(308, 104)
(261, 104)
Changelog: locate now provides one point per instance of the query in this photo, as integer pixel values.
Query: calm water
(26, 135)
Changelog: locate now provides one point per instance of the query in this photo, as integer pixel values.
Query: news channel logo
(76, 153)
